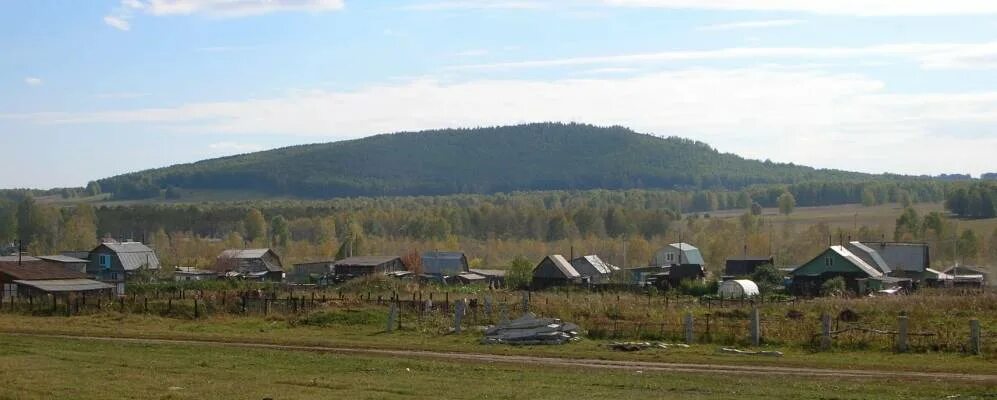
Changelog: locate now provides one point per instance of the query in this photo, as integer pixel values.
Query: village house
(444, 263)
(116, 262)
(555, 270)
(353, 267)
(677, 253)
(31, 278)
(838, 261)
(254, 264)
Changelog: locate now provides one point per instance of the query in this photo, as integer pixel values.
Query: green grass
(337, 331)
(41, 368)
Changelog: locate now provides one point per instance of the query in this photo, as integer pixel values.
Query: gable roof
(38, 270)
(563, 265)
(855, 260)
(244, 253)
(596, 263)
(870, 256)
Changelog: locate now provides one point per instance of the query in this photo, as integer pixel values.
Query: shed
(554, 270)
(444, 263)
(746, 265)
(495, 277)
(183, 274)
(31, 278)
(471, 277)
(367, 265)
(320, 272)
(677, 253)
(593, 269)
(261, 264)
(737, 289)
(70, 263)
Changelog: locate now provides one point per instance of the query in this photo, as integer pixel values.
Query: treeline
(976, 200)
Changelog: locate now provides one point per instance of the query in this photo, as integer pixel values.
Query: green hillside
(543, 156)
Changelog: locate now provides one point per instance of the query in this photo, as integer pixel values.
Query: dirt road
(529, 360)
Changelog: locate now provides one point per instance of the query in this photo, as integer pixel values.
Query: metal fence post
(756, 331)
(689, 337)
(902, 334)
(975, 346)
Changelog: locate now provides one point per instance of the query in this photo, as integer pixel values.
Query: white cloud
(831, 7)
(117, 22)
(929, 55)
(771, 23)
(235, 147)
(118, 17)
(32, 81)
(805, 116)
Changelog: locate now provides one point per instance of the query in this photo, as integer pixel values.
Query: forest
(531, 157)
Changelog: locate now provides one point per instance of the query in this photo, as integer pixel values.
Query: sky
(91, 89)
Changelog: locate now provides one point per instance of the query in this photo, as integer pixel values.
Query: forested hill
(543, 156)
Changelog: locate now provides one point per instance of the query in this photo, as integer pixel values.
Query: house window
(670, 257)
(828, 261)
(104, 260)
(9, 290)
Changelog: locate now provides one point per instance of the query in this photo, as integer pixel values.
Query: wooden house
(38, 277)
(115, 262)
(444, 263)
(254, 264)
(555, 270)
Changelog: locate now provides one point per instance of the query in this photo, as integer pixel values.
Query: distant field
(46, 368)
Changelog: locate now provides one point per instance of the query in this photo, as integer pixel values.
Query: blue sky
(90, 89)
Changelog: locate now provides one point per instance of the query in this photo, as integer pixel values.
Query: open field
(41, 368)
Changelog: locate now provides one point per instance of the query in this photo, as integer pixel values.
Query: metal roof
(489, 272)
(902, 256)
(14, 258)
(244, 253)
(564, 266)
(690, 253)
(38, 270)
(367, 260)
(65, 285)
(596, 263)
(855, 260)
(870, 256)
(134, 255)
(63, 259)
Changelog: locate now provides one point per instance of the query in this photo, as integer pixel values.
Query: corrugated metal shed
(65, 285)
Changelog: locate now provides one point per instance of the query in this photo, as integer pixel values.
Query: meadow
(44, 368)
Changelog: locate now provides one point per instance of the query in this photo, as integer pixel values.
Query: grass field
(44, 368)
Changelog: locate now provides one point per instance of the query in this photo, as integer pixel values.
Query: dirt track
(585, 363)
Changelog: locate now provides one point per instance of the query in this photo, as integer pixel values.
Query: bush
(698, 287)
(833, 287)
